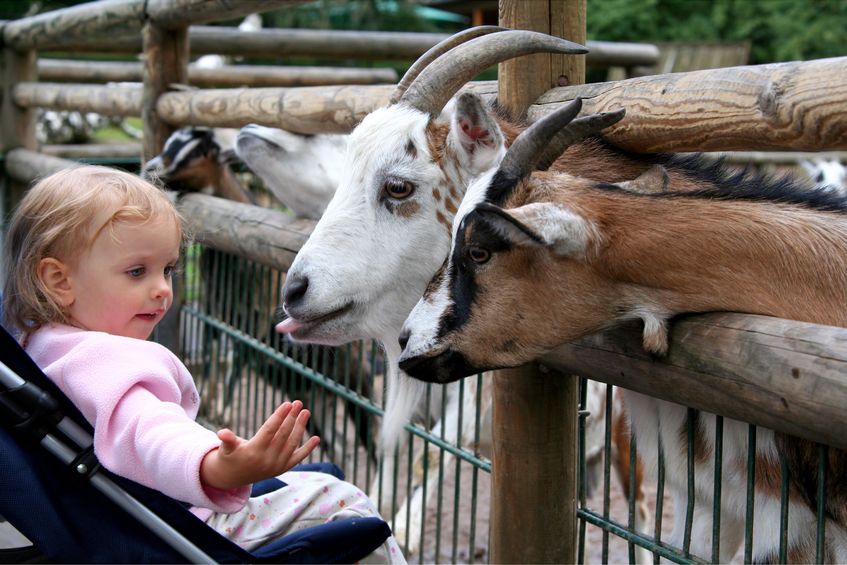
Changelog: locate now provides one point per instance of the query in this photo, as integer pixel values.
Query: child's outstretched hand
(272, 451)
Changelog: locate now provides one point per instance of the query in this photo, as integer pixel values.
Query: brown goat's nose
(294, 290)
(404, 338)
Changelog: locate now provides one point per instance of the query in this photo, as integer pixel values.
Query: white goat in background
(301, 171)
(826, 173)
(541, 258)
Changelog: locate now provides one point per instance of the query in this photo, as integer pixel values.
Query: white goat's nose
(295, 289)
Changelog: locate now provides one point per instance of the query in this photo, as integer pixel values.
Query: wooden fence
(797, 106)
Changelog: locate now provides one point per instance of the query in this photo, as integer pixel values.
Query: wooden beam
(534, 417)
(315, 109)
(784, 375)
(798, 106)
(106, 18)
(165, 63)
(56, 70)
(177, 14)
(340, 44)
(112, 100)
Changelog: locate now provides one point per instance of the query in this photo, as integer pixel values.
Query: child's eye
(169, 270)
(136, 272)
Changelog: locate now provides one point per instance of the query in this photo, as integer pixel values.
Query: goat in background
(541, 258)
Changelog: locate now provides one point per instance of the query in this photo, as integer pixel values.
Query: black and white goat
(539, 258)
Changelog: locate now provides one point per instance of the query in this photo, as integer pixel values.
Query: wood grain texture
(373, 45)
(800, 106)
(164, 62)
(112, 100)
(785, 375)
(62, 27)
(67, 70)
(175, 14)
(304, 110)
(534, 423)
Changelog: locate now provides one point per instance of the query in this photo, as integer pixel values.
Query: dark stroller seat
(74, 511)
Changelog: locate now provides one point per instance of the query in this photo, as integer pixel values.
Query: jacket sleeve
(142, 431)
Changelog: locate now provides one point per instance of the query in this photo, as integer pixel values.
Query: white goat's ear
(475, 134)
(541, 224)
(652, 181)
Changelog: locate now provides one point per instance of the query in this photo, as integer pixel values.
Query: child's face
(122, 284)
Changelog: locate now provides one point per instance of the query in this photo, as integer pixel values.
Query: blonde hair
(60, 217)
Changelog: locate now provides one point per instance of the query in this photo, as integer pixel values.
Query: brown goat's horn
(435, 52)
(530, 145)
(573, 132)
(441, 79)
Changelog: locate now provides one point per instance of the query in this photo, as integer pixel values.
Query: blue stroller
(54, 492)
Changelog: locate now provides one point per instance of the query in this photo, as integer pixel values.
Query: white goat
(301, 171)
(387, 229)
(573, 256)
(826, 173)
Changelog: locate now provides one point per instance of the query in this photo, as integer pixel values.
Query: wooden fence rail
(56, 70)
(797, 106)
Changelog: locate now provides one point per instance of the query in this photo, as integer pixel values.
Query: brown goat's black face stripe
(461, 274)
(500, 187)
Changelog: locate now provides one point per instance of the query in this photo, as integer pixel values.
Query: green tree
(779, 30)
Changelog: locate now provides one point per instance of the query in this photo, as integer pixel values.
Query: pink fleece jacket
(142, 403)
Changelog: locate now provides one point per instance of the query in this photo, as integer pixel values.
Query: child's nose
(163, 288)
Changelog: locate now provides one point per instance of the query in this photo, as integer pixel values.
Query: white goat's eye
(478, 255)
(398, 189)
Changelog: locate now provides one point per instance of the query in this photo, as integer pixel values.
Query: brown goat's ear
(475, 133)
(541, 224)
(652, 181)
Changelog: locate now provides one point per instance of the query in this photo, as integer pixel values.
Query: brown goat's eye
(398, 189)
(479, 255)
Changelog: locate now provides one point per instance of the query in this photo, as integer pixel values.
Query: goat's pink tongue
(287, 326)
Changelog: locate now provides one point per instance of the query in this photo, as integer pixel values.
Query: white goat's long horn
(435, 52)
(442, 78)
(573, 132)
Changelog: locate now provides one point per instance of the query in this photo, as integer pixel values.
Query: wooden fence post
(17, 124)
(533, 513)
(165, 62)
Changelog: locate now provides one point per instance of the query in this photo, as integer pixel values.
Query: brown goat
(542, 258)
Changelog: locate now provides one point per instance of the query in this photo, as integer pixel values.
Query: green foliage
(779, 30)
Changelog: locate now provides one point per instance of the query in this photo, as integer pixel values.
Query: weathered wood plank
(373, 45)
(174, 14)
(106, 18)
(305, 110)
(785, 375)
(127, 149)
(798, 106)
(65, 70)
(269, 237)
(165, 62)
(112, 100)
(534, 417)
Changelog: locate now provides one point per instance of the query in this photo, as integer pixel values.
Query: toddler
(90, 255)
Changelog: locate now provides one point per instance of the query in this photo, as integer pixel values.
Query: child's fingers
(288, 442)
(288, 426)
(304, 451)
(269, 429)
